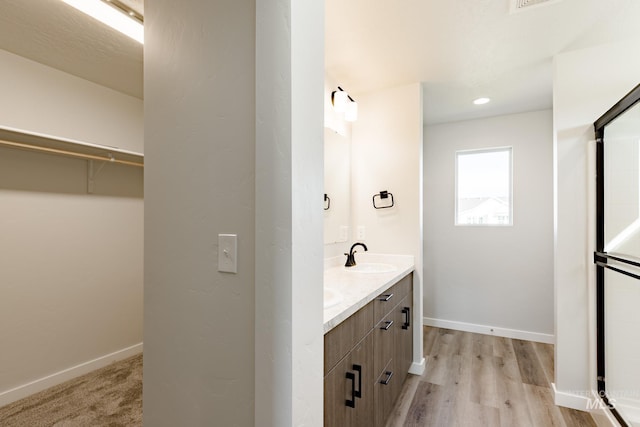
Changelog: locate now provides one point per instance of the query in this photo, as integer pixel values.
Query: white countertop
(358, 289)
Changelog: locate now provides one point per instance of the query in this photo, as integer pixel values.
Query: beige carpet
(111, 396)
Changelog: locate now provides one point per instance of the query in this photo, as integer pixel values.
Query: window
(483, 187)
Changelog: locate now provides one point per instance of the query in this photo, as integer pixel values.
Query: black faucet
(351, 261)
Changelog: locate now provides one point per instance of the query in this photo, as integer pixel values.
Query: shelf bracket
(92, 172)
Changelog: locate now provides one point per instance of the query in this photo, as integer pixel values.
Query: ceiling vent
(521, 5)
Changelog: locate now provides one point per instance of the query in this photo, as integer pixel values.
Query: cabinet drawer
(342, 338)
(383, 394)
(386, 301)
(383, 336)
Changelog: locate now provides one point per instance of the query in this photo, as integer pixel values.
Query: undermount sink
(331, 297)
(372, 267)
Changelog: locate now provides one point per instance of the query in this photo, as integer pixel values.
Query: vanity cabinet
(367, 358)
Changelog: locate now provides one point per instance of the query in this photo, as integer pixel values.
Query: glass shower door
(618, 259)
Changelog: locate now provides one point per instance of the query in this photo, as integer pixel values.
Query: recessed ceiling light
(109, 15)
(481, 101)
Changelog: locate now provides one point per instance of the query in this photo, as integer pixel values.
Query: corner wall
(289, 222)
(199, 75)
(586, 84)
(233, 132)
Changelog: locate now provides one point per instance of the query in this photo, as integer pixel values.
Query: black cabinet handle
(358, 392)
(407, 323)
(352, 403)
(389, 323)
(386, 297)
(389, 375)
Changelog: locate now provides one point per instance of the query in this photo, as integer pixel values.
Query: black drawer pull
(352, 403)
(386, 297)
(389, 323)
(407, 312)
(358, 392)
(389, 375)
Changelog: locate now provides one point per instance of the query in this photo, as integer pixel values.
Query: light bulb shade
(351, 113)
(340, 100)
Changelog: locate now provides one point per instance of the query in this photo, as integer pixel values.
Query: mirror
(337, 186)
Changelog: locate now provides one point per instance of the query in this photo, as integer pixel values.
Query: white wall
(70, 262)
(387, 155)
(587, 83)
(199, 182)
(44, 100)
(289, 180)
(233, 129)
(498, 278)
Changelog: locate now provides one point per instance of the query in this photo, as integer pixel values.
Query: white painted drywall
(70, 262)
(233, 129)
(387, 155)
(587, 83)
(199, 182)
(289, 222)
(498, 277)
(44, 100)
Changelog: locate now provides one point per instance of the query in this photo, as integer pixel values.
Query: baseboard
(489, 330)
(580, 402)
(601, 416)
(417, 368)
(28, 389)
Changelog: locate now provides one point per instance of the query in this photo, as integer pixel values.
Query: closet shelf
(24, 140)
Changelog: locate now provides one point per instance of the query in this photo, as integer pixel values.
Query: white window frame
(482, 151)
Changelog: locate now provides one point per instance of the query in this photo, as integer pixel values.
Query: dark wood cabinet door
(403, 341)
(362, 355)
(348, 389)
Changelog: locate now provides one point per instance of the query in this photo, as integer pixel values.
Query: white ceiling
(459, 49)
(464, 49)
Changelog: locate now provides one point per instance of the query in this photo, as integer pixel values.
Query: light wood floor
(482, 380)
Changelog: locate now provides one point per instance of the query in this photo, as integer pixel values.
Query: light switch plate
(228, 253)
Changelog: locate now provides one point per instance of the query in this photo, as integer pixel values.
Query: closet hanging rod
(70, 153)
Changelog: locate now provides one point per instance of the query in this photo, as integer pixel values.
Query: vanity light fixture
(482, 101)
(339, 99)
(351, 114)
(114, 14)
(344, 103)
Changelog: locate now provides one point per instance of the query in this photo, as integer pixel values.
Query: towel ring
(381, 196)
